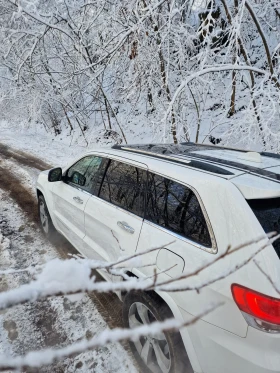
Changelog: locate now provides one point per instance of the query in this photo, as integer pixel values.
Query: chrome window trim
(73, 185)
(182, 238)
(118, 208)
(119, 158)
(214, 248)
(140, 165)
(157, 155)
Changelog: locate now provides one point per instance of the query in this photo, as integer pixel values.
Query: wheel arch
(39, 192)
(167, 299)
(45, 194)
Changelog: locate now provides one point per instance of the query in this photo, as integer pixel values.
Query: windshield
(267, 212)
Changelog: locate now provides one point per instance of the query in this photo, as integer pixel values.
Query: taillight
(261, 311)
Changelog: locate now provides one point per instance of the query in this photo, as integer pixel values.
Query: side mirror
(55, 174)
(78, 178)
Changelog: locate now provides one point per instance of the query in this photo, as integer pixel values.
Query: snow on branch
(274, 285)
(211, 69)
(74, 276)
(36, 359)
(71, 276)
(88, 67)
(122, 262)
(229, 251)
(39, 19)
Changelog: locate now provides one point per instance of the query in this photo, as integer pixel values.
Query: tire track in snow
(27, 327)
(107, 304)
(23, 158)
(12, 184)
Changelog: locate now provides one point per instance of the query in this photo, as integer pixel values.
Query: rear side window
(175, 207)
(123, 186)
(83, 173)
(267, 212)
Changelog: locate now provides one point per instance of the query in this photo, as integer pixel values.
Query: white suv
(115, 202)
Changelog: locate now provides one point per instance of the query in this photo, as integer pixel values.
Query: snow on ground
(27, 175)
(54, 322)
(56, 150)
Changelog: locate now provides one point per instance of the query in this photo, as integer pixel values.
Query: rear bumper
(219, 351)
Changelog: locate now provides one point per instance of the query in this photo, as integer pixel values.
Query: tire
(172, 357)
(46, 224)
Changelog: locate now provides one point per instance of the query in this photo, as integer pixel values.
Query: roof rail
(272, 155)
(199, 165)
(264, 154)
(211, 146)
(184, 154)
(216, 146)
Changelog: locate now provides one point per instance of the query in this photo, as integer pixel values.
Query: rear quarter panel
(233, 224)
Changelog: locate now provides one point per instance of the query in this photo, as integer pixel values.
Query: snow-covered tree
(173, 70)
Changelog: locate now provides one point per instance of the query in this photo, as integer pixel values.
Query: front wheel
(162, 353)
(45, 219)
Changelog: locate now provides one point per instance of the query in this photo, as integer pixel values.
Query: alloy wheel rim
(154, 351)
(44, 217)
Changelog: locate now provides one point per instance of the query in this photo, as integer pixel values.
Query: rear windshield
(267, 212)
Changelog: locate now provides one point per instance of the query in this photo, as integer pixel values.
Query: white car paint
(244, 158)
(68, 209)
(221, 341)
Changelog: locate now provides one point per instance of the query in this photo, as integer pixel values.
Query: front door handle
(78, 200)
(126, 227)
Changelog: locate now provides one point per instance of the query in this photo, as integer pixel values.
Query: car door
(114, 218)
(177, 223)
(173, 214)
(70, 197)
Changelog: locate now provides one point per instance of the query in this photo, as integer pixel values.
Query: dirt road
(19, 224)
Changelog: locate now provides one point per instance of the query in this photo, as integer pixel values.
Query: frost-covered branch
(39, 19)
(267, 276)
(163, 68)
(37, 359)
(74, 276)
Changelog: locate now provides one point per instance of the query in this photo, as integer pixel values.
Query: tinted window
(123, 186)
(84, 172)
(175, 207)
(267, 212)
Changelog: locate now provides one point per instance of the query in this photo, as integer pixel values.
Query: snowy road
(56, 321)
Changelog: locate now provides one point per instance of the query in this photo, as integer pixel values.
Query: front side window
(175, 207)
(267, 212)
(123, 186)
(83, 173)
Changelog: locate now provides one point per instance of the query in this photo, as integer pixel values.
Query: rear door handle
(78, 200)
(126, 227)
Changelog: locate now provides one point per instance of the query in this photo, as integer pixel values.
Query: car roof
(256, 174)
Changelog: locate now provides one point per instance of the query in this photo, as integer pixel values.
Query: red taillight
(256, 304)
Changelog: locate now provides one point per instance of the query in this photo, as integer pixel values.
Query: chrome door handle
(126, 227)
(78, 200)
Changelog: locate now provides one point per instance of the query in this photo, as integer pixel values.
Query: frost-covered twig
(129, 260)
(36, 359)
(226, 273)
(63, 65)
(229, 251)
(72, 277)
(207, 70)
(123, 262)
(274, 285)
